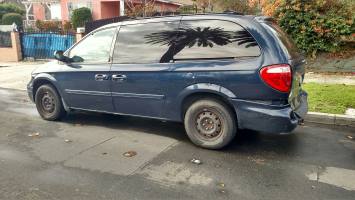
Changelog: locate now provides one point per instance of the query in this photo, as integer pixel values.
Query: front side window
(209, 39)
(94, 48)
(145, 43)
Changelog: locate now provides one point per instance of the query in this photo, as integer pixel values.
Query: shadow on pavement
(247, 141)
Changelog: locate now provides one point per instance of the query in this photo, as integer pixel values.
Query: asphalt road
(81, 157)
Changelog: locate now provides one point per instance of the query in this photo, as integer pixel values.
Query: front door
(141, 62)
(86, 80)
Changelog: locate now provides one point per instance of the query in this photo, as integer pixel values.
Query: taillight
(278, 77)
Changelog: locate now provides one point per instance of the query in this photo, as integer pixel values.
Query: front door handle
(101, 77)
(119, 77)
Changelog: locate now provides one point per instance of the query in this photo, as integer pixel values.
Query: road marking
(339, 177)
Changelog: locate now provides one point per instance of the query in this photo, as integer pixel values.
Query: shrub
(80, 16)
(67, 26)
(11, 18)
(10, 8)
(188, 9)
(316, 25)
(53, 26)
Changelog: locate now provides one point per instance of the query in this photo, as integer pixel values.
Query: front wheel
(210, 124)
(48, 103)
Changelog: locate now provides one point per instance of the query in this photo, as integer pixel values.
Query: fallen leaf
(222, 185)
(196, 161)
(129, 154)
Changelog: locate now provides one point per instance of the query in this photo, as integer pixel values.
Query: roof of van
(202, 15)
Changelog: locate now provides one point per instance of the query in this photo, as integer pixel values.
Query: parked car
(216, 73)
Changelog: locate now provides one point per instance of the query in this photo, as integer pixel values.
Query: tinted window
(145, 43)
(214, 39)
(286, 43)
(94, 48)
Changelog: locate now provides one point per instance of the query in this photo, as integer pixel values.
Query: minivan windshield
(287, 43)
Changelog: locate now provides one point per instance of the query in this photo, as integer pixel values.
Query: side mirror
(59, 56)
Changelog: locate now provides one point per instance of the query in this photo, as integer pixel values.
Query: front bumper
(30, 90)
(269, 118)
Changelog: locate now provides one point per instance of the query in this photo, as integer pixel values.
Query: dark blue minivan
(216, 73)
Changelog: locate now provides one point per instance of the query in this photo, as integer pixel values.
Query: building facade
(101, 9)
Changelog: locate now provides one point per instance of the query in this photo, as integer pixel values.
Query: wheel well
(38, 83)
(190, 99)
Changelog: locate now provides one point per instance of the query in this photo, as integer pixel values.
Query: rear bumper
(269, 118)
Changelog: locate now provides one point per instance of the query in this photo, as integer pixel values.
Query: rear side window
(145, 43)
(213, 39)
(286, 43)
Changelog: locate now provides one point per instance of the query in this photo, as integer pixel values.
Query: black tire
(48, 103)
(210, 124)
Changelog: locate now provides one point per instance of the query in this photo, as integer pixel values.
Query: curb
(330, 119)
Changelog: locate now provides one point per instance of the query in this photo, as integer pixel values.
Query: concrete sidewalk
(323, 78)
(16, 75)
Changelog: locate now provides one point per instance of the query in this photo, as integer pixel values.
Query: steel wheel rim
(208, 124)
(48, 102)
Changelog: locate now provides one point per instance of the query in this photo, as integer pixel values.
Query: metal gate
(41, 45)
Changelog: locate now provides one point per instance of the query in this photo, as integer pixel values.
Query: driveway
(82, 157)
(16, 75)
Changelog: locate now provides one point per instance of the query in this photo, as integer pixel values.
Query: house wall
(109, 9)
(12, 54)
(39, 12)
(166, 7)
(102, 9)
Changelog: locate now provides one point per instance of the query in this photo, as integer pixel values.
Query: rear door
(141, 60)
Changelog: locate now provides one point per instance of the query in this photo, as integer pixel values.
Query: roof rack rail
(184, 14)
(233, 12)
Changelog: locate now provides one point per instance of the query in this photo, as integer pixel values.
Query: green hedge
(80, 16)
(10, 8)
(316, 25)
(10, 18)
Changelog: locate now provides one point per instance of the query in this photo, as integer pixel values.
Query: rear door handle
(101, 77)
(119, 77)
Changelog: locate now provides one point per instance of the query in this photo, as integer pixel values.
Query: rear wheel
(48, 103)
(210, 124)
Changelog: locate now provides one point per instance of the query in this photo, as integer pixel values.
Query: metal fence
(41, 45)
(5, 39)
(90, 26)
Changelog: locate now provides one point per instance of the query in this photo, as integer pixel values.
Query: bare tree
(140, 8)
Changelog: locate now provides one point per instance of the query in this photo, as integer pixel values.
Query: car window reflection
(186, 43)
(168, 41)
(94, 48)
